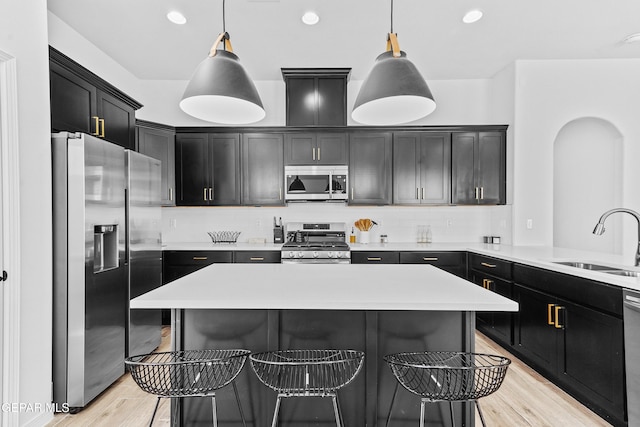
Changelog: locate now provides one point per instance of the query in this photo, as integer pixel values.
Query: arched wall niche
(588, 180)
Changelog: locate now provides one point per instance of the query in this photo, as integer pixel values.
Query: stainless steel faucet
(599, 229)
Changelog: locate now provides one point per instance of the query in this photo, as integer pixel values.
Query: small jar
(383, 238)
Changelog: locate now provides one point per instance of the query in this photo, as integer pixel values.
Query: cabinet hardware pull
(352, 194)
(205, 194)
(481, 193)
(422, 193)
(97, 125)
(374, 258)
(256, 258)
(280, 193)
(171, 193)
(313, 153)
(486, 264)
(210, 193)
(489, 282)
(476, 193)
(549, 314)
(417, 193)
(484, 283)
(102, 128)
(426, 258)
(556, 323)
(199, 258)
(318, 153)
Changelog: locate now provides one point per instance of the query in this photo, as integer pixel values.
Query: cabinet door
(119, 120)
(192, 169)
(375, 257)
(593, 362)
(299, 149)
(406, 172)
(224, 152)
(73, 101)
(535, 338)
(370, 157)
(435, 168)
(463, 186)
(160, 144)
(332, 149)
(331, 102)
(262, 169)
(490, 168)
(301, 102)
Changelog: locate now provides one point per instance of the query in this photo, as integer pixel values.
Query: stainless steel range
(316, 243)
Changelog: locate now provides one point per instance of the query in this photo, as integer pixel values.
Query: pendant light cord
(224, 24)
(391, 17)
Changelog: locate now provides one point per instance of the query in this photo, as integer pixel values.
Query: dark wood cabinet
(262, 169)
(569, 330)
(257, 257)
(478, 168)
(208, 169)
(375, 257)
(176, 264)
(315, 148)
(83, 102)
(421, 168)
(453, 262)
(158, 141)
(316, 97)
(370, 168)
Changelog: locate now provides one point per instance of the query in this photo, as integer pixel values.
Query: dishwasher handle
(632, 301)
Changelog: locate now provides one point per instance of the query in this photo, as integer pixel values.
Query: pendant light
(394, 91)
(220, 89)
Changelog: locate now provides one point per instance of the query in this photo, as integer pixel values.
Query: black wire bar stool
(307, 373)
(188, 373)
(447, 376)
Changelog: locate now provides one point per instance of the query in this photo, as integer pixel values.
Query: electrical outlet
(258, 223)
(449, 223)
(173, 223)
(529, 224)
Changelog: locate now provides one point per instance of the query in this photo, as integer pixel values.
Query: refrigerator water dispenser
(105, 248)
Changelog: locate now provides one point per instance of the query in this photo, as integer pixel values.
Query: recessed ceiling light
(472, 16)
(632, 38)
(176, 17)
(310, 18)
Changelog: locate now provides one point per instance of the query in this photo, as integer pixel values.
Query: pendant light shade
(394, 92)
(221, 91)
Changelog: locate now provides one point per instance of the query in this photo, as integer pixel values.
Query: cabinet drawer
(490, 265)
(196, 257)
(256, 257)
(371, 257)
(434, 258)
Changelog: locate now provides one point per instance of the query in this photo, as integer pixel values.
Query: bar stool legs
(336, 409)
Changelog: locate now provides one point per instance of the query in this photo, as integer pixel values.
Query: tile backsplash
(400, 224)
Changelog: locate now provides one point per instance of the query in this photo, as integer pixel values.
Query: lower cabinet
(578, 345)
(375, 257)
(452, 262)
(257, 257)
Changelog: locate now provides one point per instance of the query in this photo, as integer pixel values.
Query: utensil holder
(364, 237)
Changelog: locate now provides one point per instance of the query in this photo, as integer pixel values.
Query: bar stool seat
(188, 373)
(307, 373)
(447, 376)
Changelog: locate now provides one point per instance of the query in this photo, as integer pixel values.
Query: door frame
(10, 217)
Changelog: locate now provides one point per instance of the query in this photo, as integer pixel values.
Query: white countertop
(209, 246)
(323, 287)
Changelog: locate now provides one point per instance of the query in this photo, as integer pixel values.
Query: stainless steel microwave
(316, 183)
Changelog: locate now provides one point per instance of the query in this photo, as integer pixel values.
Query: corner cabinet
(262, 169)
(208, 169)
(421, 168)
(478, 168)
(83, 102)
(158, 141)
(370, 168)
(321, 148)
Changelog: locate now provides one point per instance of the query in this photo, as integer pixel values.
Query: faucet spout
(599, 228)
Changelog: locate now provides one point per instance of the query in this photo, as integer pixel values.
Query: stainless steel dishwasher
(631, 313)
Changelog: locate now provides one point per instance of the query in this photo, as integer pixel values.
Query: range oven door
(316, 183)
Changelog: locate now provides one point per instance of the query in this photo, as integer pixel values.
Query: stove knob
(315, 254)
(338, 254)
(300, 254)
(330, 254)
(292, 254)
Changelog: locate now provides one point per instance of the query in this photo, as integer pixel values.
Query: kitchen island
(378, 309)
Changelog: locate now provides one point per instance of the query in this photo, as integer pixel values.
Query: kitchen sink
(627, 273)
(585, 265)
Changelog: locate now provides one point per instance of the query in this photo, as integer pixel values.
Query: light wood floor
(524, 399)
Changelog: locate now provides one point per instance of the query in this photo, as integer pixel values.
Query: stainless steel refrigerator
(92, 260)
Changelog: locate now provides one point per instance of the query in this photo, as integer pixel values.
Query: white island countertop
(323, 287)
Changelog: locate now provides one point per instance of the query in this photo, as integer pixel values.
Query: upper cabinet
(158, 141)
(421, 168)
(370, 155)
(320, 148)
(262, 169)
(316, 96)
(208, 169)
(478, 168)
(83, 102)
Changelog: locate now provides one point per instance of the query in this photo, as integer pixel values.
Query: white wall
(23, 34)
(550, 94)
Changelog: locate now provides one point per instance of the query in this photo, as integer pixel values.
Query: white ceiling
(268, 34)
